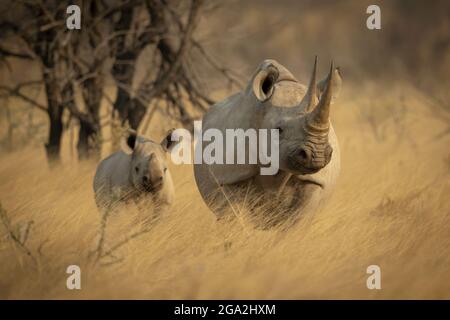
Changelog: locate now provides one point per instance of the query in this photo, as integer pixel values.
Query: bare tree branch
(18, 239)
(8, 53)
(15, 91)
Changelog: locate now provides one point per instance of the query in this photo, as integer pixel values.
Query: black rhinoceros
(309, 159)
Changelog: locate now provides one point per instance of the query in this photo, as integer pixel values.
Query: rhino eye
(136, 169)
(280, 130)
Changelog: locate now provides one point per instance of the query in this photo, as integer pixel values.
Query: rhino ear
(336, 85)
(167, 143)
(130, 143)
(264, 81)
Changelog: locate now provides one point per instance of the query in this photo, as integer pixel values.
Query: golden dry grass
(390, 208)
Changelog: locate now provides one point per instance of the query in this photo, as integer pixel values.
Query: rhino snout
(312, 158)
(152, 183)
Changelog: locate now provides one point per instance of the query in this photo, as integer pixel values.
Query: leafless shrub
(18, 234)
(106, 253)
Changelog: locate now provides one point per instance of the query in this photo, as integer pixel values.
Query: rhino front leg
(149, 211)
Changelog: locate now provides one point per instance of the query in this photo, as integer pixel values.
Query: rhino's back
(223, 114)
(112, 172)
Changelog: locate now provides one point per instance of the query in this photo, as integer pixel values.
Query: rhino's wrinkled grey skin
(139, 172)
(308, 151)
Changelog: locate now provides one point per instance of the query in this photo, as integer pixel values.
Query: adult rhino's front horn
(315, 151)
(318, 117)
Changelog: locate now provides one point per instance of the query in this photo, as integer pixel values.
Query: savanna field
(390, 208)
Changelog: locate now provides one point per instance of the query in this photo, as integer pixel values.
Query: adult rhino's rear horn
(309, 100)
(319, 118)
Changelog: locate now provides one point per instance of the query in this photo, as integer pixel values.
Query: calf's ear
(264, 81)
(130, 143)
(167, 143)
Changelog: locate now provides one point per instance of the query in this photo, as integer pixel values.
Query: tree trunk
(129, 109)
(86, 145)
(53, 145)
(121, 103)
(89, 136)
(54, 111)
(136, 114)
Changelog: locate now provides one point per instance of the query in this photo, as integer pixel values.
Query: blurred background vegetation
(155, 64)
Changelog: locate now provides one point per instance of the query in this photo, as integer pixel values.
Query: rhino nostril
(145, 179)
(303, 154)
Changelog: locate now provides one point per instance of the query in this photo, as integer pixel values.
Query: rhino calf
(138, 172)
